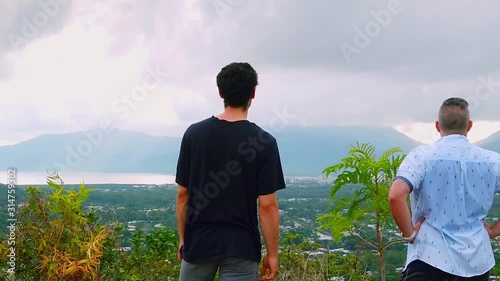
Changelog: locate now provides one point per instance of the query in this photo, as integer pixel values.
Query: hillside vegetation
(58, 240)
(118, 232)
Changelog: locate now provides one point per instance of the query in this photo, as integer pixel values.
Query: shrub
(56, 238)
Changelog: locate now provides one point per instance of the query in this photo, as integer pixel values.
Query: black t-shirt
(225, 166)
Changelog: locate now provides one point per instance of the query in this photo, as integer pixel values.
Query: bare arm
(399, 208)
(494, 230)
(269, 223)
(181, 211)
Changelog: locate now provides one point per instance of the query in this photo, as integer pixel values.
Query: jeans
(230, 269)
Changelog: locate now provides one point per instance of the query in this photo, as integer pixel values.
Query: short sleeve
(270, 174)
(412, 169)
(497, 165)
(183, 163)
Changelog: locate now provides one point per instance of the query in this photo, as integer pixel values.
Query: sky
(151, 65)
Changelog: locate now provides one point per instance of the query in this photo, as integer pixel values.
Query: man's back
(453, 183)
(225, 166)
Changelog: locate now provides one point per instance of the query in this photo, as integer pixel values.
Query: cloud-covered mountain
(304, 151)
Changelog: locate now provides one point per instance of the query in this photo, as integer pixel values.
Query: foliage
(145, 260)
(56, 238)
(371, 179)
(301, 262)
(153, 256)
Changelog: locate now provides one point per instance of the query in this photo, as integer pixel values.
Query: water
(38, 178)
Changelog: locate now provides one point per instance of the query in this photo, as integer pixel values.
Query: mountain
(307, 151)
(304, 151)
(94, 151)
(491, 143)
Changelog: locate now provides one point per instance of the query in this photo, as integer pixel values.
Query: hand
(179, 255)
(489, 229)
(416, 228)
(269, 268)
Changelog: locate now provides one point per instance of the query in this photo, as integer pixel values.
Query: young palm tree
(370, 178)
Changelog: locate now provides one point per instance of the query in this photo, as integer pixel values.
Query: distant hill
(117, 151)
(304, 151)
(491, 143)
(307, 151)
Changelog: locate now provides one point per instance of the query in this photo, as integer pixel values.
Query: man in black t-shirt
(227, 164)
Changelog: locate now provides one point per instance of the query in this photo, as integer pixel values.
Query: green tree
(371, 179)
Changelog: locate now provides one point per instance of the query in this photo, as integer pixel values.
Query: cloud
(25, 21)
(427, 133)
(416, 43)
(90, 54)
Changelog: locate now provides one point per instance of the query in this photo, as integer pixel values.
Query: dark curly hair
(236, 82)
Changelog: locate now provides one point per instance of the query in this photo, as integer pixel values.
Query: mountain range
(305, 151)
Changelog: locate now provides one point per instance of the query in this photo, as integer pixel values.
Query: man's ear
(470, 125)
(220, 93)
(253, 93)
(438, 127)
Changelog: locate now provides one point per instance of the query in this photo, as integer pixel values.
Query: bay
(40, 178)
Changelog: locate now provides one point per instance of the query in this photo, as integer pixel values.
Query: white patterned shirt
(453, 184)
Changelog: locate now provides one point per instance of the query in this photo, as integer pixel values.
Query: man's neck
(449, 134)
(232, 114)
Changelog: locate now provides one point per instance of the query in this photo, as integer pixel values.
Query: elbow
(396, 200)
(398, 193)
(393, 199)
(269, 208)
(268, 203)
(182, 198)
(182, 194)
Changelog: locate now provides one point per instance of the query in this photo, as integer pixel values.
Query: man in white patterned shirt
(451, 184)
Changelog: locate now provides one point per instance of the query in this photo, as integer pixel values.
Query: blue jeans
(230, 269)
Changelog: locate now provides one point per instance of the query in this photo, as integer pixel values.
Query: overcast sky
(151, 65)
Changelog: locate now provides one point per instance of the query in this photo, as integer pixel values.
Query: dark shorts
(420, 271)
(230, 269)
